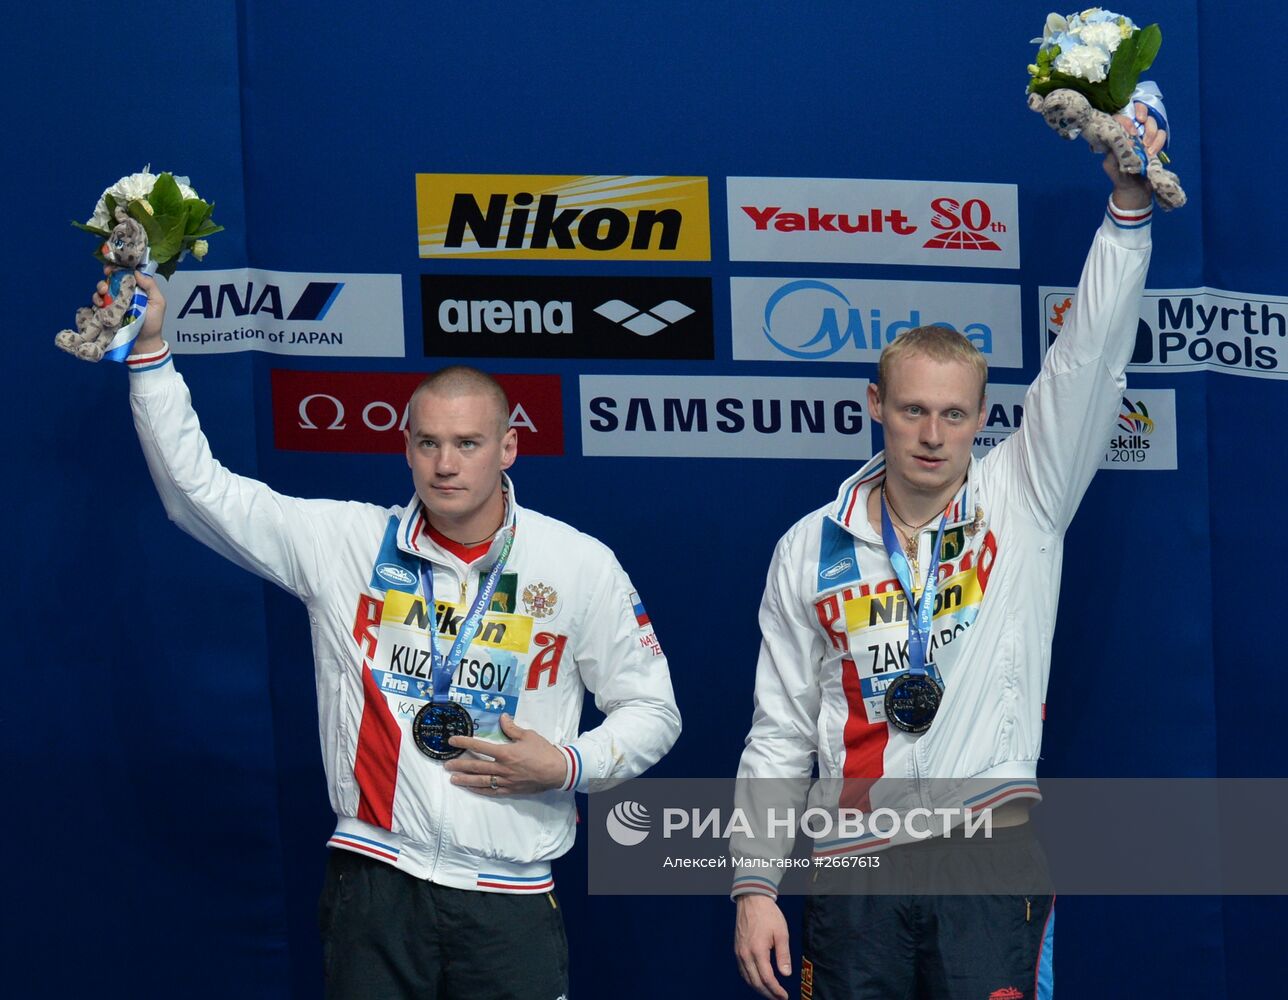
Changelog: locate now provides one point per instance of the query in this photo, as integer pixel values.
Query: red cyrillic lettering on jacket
(365, 621)
(547, 661)
(375, 765)
(865, 743)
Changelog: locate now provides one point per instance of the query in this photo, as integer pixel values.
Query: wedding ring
(492, 783)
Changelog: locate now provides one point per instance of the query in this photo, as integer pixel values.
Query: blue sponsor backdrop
(167, 808)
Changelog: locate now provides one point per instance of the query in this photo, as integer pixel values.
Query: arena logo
(1197, 329)
(644, 322)
(367, 412)
(812, 319)
(873, 221)
(495, 316)
(567, 316)
(567, 217)
(724, 417)
(332, 315)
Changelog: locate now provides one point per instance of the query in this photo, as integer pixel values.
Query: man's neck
(912, 509)
(476, 530)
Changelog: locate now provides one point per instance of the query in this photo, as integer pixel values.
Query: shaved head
(939, 343)
(462, 380)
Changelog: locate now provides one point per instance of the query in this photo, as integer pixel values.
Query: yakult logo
(862, 221)
(367, 412)
(963, 225)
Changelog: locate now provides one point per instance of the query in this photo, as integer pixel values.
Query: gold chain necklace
(910, 547)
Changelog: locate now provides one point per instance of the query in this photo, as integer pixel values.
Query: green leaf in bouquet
(169, 239)
(148, 221)
(208, 228)
(1097, 94)
(110, 202)
(91, 229)
(165, 198)
(1123, 73)
(198, 213)
(1148, 42)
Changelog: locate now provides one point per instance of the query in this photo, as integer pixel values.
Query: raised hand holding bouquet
(1086, 81)
(147, 223)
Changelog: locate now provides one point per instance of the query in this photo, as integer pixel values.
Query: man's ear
(874, 402)
(509, 448)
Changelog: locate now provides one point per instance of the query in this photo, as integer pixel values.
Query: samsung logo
(393, 573)
(724, 417)
(838, 569)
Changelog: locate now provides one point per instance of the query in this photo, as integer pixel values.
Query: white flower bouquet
(1098, 53)
(176, 220)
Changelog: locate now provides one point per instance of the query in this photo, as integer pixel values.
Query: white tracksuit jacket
(564, 620)
(834, 620)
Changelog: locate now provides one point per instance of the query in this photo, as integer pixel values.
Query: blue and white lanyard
(920, 613)
(444, 668)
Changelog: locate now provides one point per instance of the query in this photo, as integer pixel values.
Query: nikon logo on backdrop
(535, 216)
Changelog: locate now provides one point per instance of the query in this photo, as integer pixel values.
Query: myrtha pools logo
(628, 823)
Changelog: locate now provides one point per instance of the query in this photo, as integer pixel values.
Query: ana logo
(312, 305)
(1006, 993)
(644, 322)
(395, 574)
(962, 225)
(1135, 418)
(540, 601)
(628, 823)
(837, 569)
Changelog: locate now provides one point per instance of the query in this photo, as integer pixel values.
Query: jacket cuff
(148, 370)
(753, 885)
(574, 770)
(1128, 227)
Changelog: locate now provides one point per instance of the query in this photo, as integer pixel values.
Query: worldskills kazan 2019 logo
(1136, 423)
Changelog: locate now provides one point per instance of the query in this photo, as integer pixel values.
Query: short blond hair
(462, 380)
(939, 343)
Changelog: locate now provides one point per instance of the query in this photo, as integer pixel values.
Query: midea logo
(803, 320)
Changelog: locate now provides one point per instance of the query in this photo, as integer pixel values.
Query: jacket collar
(415, 541)
(850, 510)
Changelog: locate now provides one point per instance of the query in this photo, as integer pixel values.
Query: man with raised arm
(906, 637)
(453, 641)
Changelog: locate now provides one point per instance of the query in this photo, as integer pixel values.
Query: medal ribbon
(123, 341)
(443, 668)
(920, 613)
